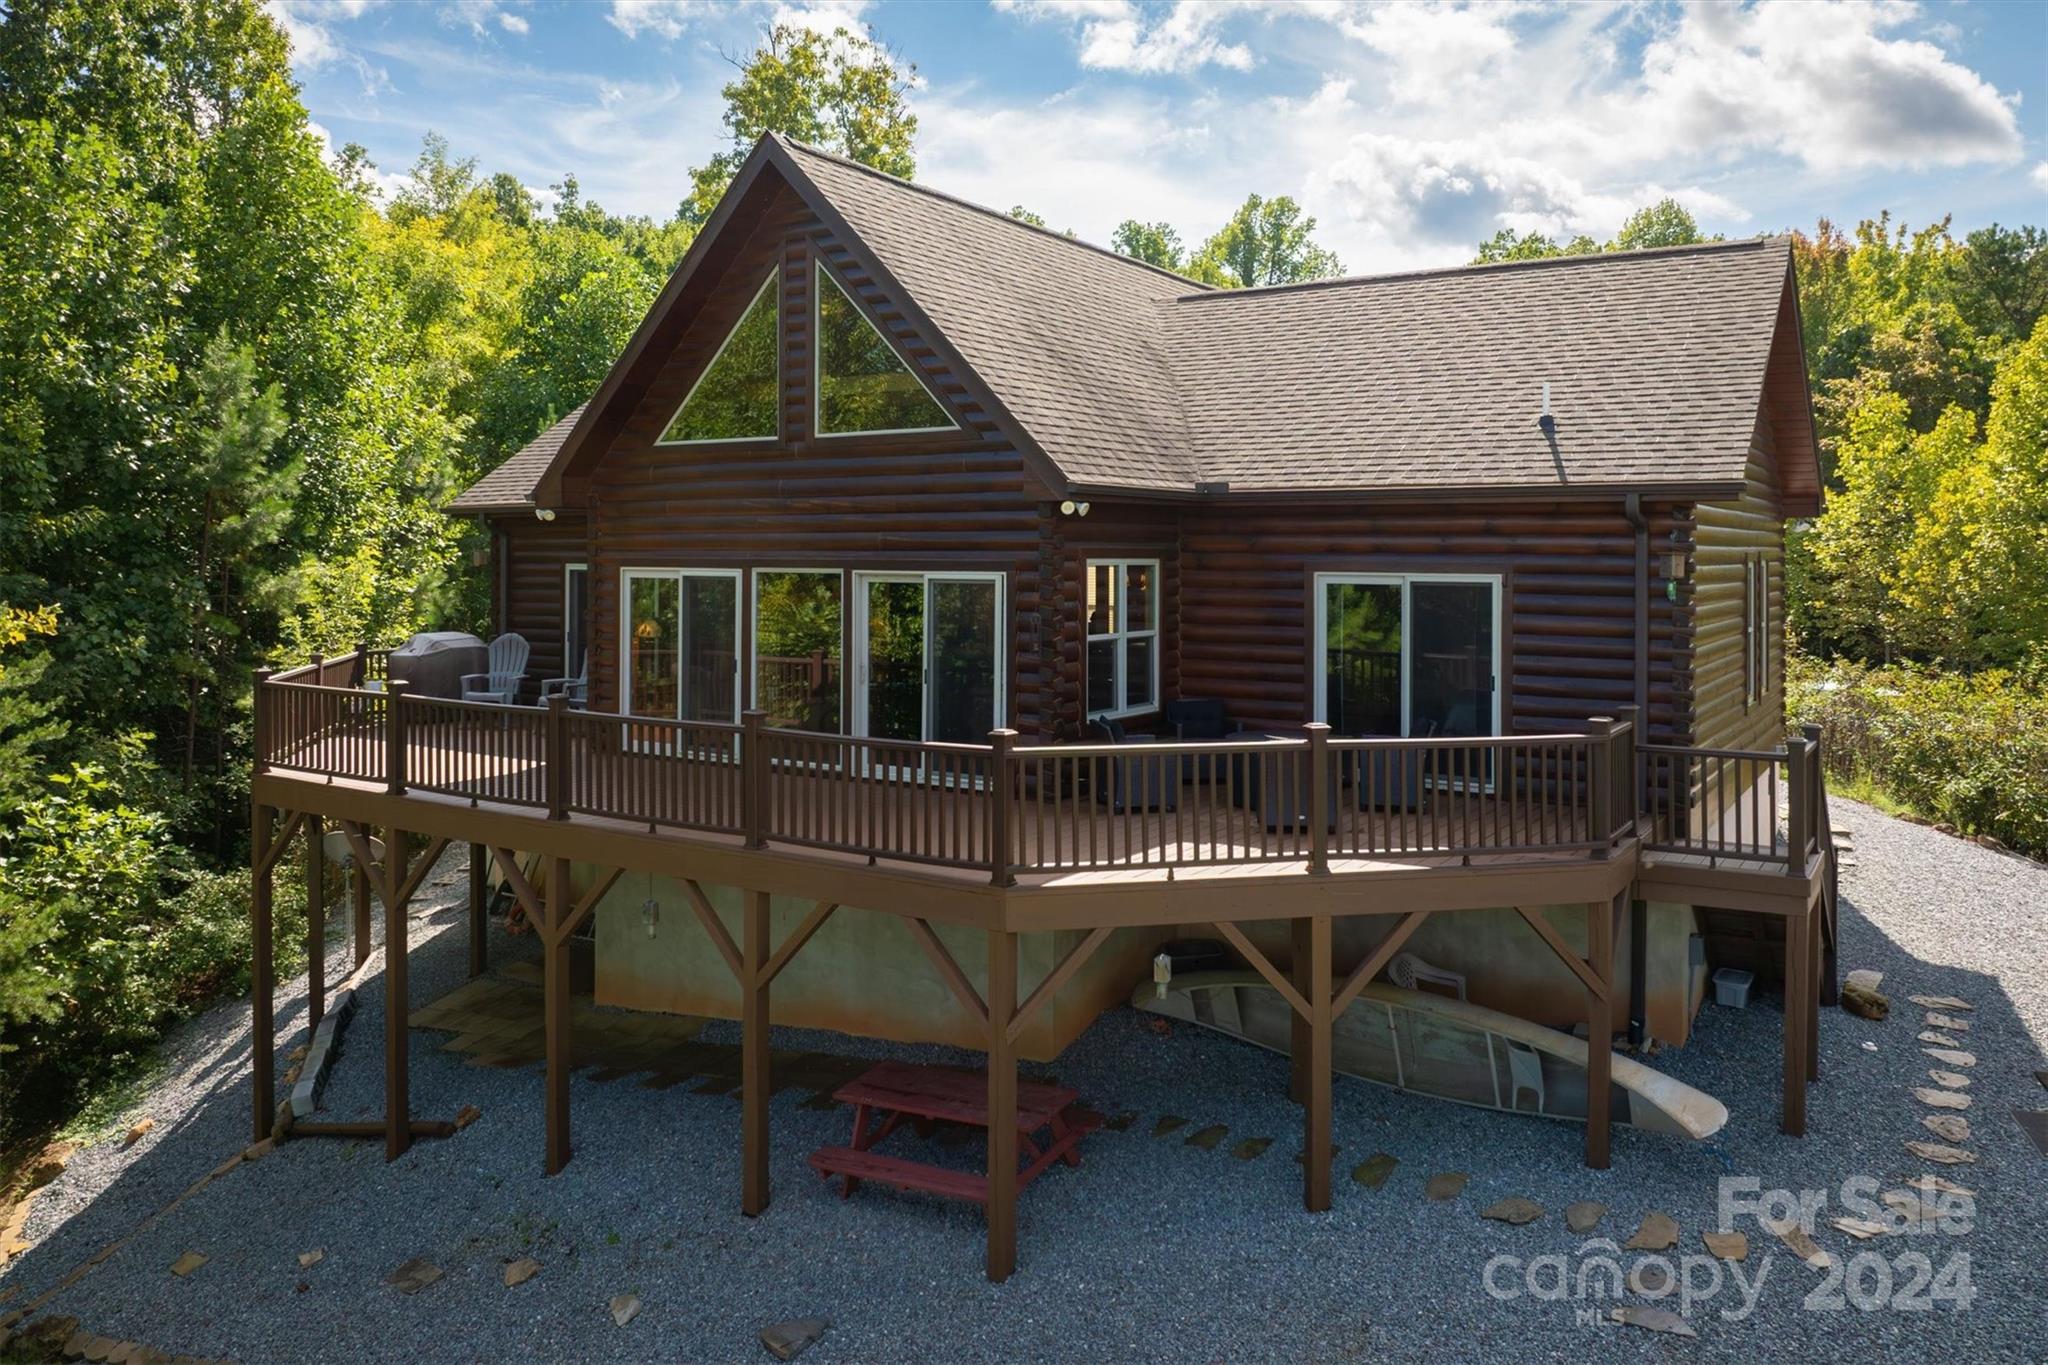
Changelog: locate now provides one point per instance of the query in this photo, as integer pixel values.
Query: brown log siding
(1729, 534)
(1568, 614)
(528, 595)
(959, 500)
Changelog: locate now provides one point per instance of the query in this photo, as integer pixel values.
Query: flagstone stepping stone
(1251, 1149)
(1167, 1124)
(788, 1340)
(187, 1263)
(1947, 1156)
(1656, 1232)
(1951, 1057)
(1909, 1205)
(1862, 1229)
(1941, 1002)
(625, 1307)
(1206, 1138)
(467, 1115)
(1797, 1241)
(414, 1275)
(1649, 1279)
(1948, 1127)
(1941, 1099)
(520, 1271)
(309, 1259)
(1936, 1019)
(1953, 1080)
(1939, 1039)
(1651, 1317)
(1729, 1246)
(1584, 1216)
(1934, 1184)
(1513, 1209)
(1374, 1170)
(1448, 1185)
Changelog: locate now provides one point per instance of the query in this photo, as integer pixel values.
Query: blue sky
(1410, 131)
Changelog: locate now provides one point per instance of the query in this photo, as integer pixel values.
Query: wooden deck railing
(1011, 809)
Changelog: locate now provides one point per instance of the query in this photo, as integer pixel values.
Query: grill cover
(433, 662)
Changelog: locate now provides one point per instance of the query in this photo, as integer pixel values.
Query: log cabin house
(967, 610)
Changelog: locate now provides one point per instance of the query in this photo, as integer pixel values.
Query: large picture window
(798, 625)
(738, 396)
(931, 656)
(1414, 654)
(1123, 636)
(575, 601)
(863, 385)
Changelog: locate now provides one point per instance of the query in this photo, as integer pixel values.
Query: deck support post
(1316, 1150)
(1798, 982)
(1002, 1106)
(360, 924)
(1298, 1023)
(316, 925)
(479, 920)
(555, 1013)
(397, 1001)
(755, 1082)
(1816, 954)
(1600, 922)
(262, 1004)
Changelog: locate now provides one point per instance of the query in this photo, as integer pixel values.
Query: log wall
(532, 555)
(1729, 535)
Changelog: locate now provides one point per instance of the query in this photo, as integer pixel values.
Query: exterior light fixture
(1070, 508)
(544, 513)
(1162, 974)
(650, 914)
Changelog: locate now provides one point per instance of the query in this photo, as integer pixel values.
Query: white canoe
(1448, 1049)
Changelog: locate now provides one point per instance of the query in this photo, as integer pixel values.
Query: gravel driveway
(1153, 1248)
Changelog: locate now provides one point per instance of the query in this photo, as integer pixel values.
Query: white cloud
(1823, 83)
(2040, 175)
(512, 23)
(1119, 35)
(671, 18)
(1438, 52)
(479, 15)
(310, 26)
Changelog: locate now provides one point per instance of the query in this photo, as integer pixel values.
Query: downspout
(501, 578)
(1638, 911)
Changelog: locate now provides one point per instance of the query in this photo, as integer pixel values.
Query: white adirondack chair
(508, 670)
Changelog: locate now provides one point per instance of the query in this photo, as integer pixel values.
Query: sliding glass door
(1415, 655)
(681, 643)
(931, 657)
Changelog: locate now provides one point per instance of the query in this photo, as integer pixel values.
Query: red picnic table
(901, 1093)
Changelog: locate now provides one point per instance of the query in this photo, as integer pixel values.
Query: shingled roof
(1127, 377)
(510, 486)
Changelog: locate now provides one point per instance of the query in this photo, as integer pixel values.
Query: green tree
(1267, 241)
(1154, 243)
(842, 92)
(1664, 223)
(1024, 215)
(1510, 245)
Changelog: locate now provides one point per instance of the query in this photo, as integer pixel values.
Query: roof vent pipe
(1546, 421)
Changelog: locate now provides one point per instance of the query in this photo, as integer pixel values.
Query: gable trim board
(1110, 376)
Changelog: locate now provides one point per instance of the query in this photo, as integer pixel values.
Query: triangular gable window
(737, 396)
(863, 385)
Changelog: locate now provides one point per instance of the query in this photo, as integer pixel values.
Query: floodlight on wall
(650, 914)
(544, 513)
(1070, 508)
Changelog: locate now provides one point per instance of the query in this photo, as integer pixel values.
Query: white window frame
(569, 572)
(1752, 673)
(626, 580)
(712, 364)
(858, 683)
(821, 279)
(1123, 635)
(1404, 581)
(753, 679)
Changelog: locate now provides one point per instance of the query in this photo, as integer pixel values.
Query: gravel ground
(1153, 1247)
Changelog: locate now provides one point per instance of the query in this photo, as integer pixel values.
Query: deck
(1016, 838)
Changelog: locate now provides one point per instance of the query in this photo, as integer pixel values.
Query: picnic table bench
(896, 1093)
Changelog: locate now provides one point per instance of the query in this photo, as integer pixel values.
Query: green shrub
(107, 935)
(1968, 750)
